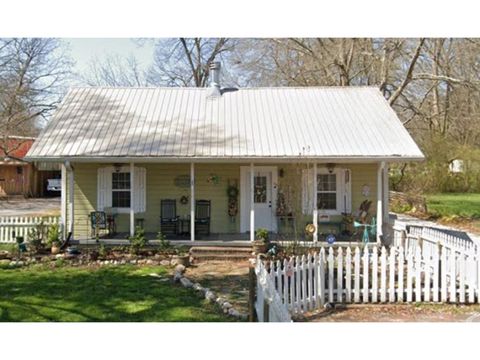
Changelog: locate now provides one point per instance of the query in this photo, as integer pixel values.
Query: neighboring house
(19, 177)
(125, 150)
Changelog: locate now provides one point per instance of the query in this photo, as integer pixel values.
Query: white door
(264, 198)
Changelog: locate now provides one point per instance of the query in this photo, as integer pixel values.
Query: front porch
(237, 200)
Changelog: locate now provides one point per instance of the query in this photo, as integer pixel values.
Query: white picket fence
(12, 226)
(373, 275)
(269, 306)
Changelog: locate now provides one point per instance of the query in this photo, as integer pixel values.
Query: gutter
(166, 159)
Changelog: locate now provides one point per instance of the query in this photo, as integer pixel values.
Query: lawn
(453, 204)
(116, 293)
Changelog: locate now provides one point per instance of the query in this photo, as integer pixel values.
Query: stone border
(209, 295)
(74, 260)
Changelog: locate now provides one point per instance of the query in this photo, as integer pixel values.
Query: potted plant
(53, 238)
(182, 256)
(260, 245)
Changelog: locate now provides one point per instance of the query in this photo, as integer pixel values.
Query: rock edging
(208, 294)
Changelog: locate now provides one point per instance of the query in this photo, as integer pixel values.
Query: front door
(264, 197)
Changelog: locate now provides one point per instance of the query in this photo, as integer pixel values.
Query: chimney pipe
(215, 74)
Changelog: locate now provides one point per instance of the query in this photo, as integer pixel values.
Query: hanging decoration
(281, 205)
(232, 194)
(366, 190)
(184, 200)
(213, 179)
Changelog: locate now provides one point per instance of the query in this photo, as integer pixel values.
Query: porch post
(192, 201)
(315, 209)
(63, 206)
(385, 194)
(132, 199)
(252, 205)
(381, 166)
(71, 186)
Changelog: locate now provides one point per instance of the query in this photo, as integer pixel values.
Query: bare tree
(33, 73)
(184, 61)
(115, 70)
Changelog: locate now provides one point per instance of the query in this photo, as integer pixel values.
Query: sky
(84, 50)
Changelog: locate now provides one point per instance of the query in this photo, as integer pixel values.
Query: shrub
(262, 234)
(138, 240)
(35, 236)
(165, 245)
(53, 235)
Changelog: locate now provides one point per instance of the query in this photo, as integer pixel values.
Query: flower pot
(259, 246)
(55, 249)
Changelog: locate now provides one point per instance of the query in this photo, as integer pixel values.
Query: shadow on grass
(113, 294)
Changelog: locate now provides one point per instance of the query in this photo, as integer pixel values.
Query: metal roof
(185, 123)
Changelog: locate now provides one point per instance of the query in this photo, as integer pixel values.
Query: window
(327, 191)
(260, 189)
(121, 190)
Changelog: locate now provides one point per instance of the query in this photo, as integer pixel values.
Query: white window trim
(104, 190)
(344, 191)
(339, 191)
(122, 210)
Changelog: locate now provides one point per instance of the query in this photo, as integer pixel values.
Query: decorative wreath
(184, 200)
(310, 229)
(232, 191)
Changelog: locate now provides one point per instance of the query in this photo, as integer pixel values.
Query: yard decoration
(367, 228)
(363, 210)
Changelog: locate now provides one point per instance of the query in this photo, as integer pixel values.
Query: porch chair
(98, 222)
(168, 216)
(202, 216)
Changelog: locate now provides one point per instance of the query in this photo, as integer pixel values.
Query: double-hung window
(327, 192)
(121, 190)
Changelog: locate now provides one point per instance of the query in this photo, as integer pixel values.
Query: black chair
(98, 221)
(168, 216)
(202, 216)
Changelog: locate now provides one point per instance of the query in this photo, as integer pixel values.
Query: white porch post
(63, 206)
(385, 194)
(315, 209)
(132, 199)
(252, 205)
(381, 166)
(71, 186)
(192, 201)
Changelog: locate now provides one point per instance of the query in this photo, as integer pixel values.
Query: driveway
(19, 206)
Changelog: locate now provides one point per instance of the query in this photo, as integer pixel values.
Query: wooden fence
(12, 226)
(374, 275)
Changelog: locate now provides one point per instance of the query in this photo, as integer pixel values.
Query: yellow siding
(160, 185)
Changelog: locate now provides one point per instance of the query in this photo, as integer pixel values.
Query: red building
(18, 177)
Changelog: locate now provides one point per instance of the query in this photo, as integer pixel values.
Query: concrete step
(210, 253)
(220, 250)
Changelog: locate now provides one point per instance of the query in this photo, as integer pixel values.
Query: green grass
(453, 204)
(116, 293)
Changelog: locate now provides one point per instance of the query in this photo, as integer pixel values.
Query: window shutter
(104, 188)
(307, 189)
(139, 196)
(347, 191)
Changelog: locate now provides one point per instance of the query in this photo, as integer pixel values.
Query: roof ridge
(350, 87)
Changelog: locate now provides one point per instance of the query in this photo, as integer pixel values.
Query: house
(18, 176)
(251, 154)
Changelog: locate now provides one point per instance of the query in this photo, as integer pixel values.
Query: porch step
(210, 253)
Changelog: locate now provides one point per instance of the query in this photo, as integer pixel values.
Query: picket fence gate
(12, 226)
(374, 275)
